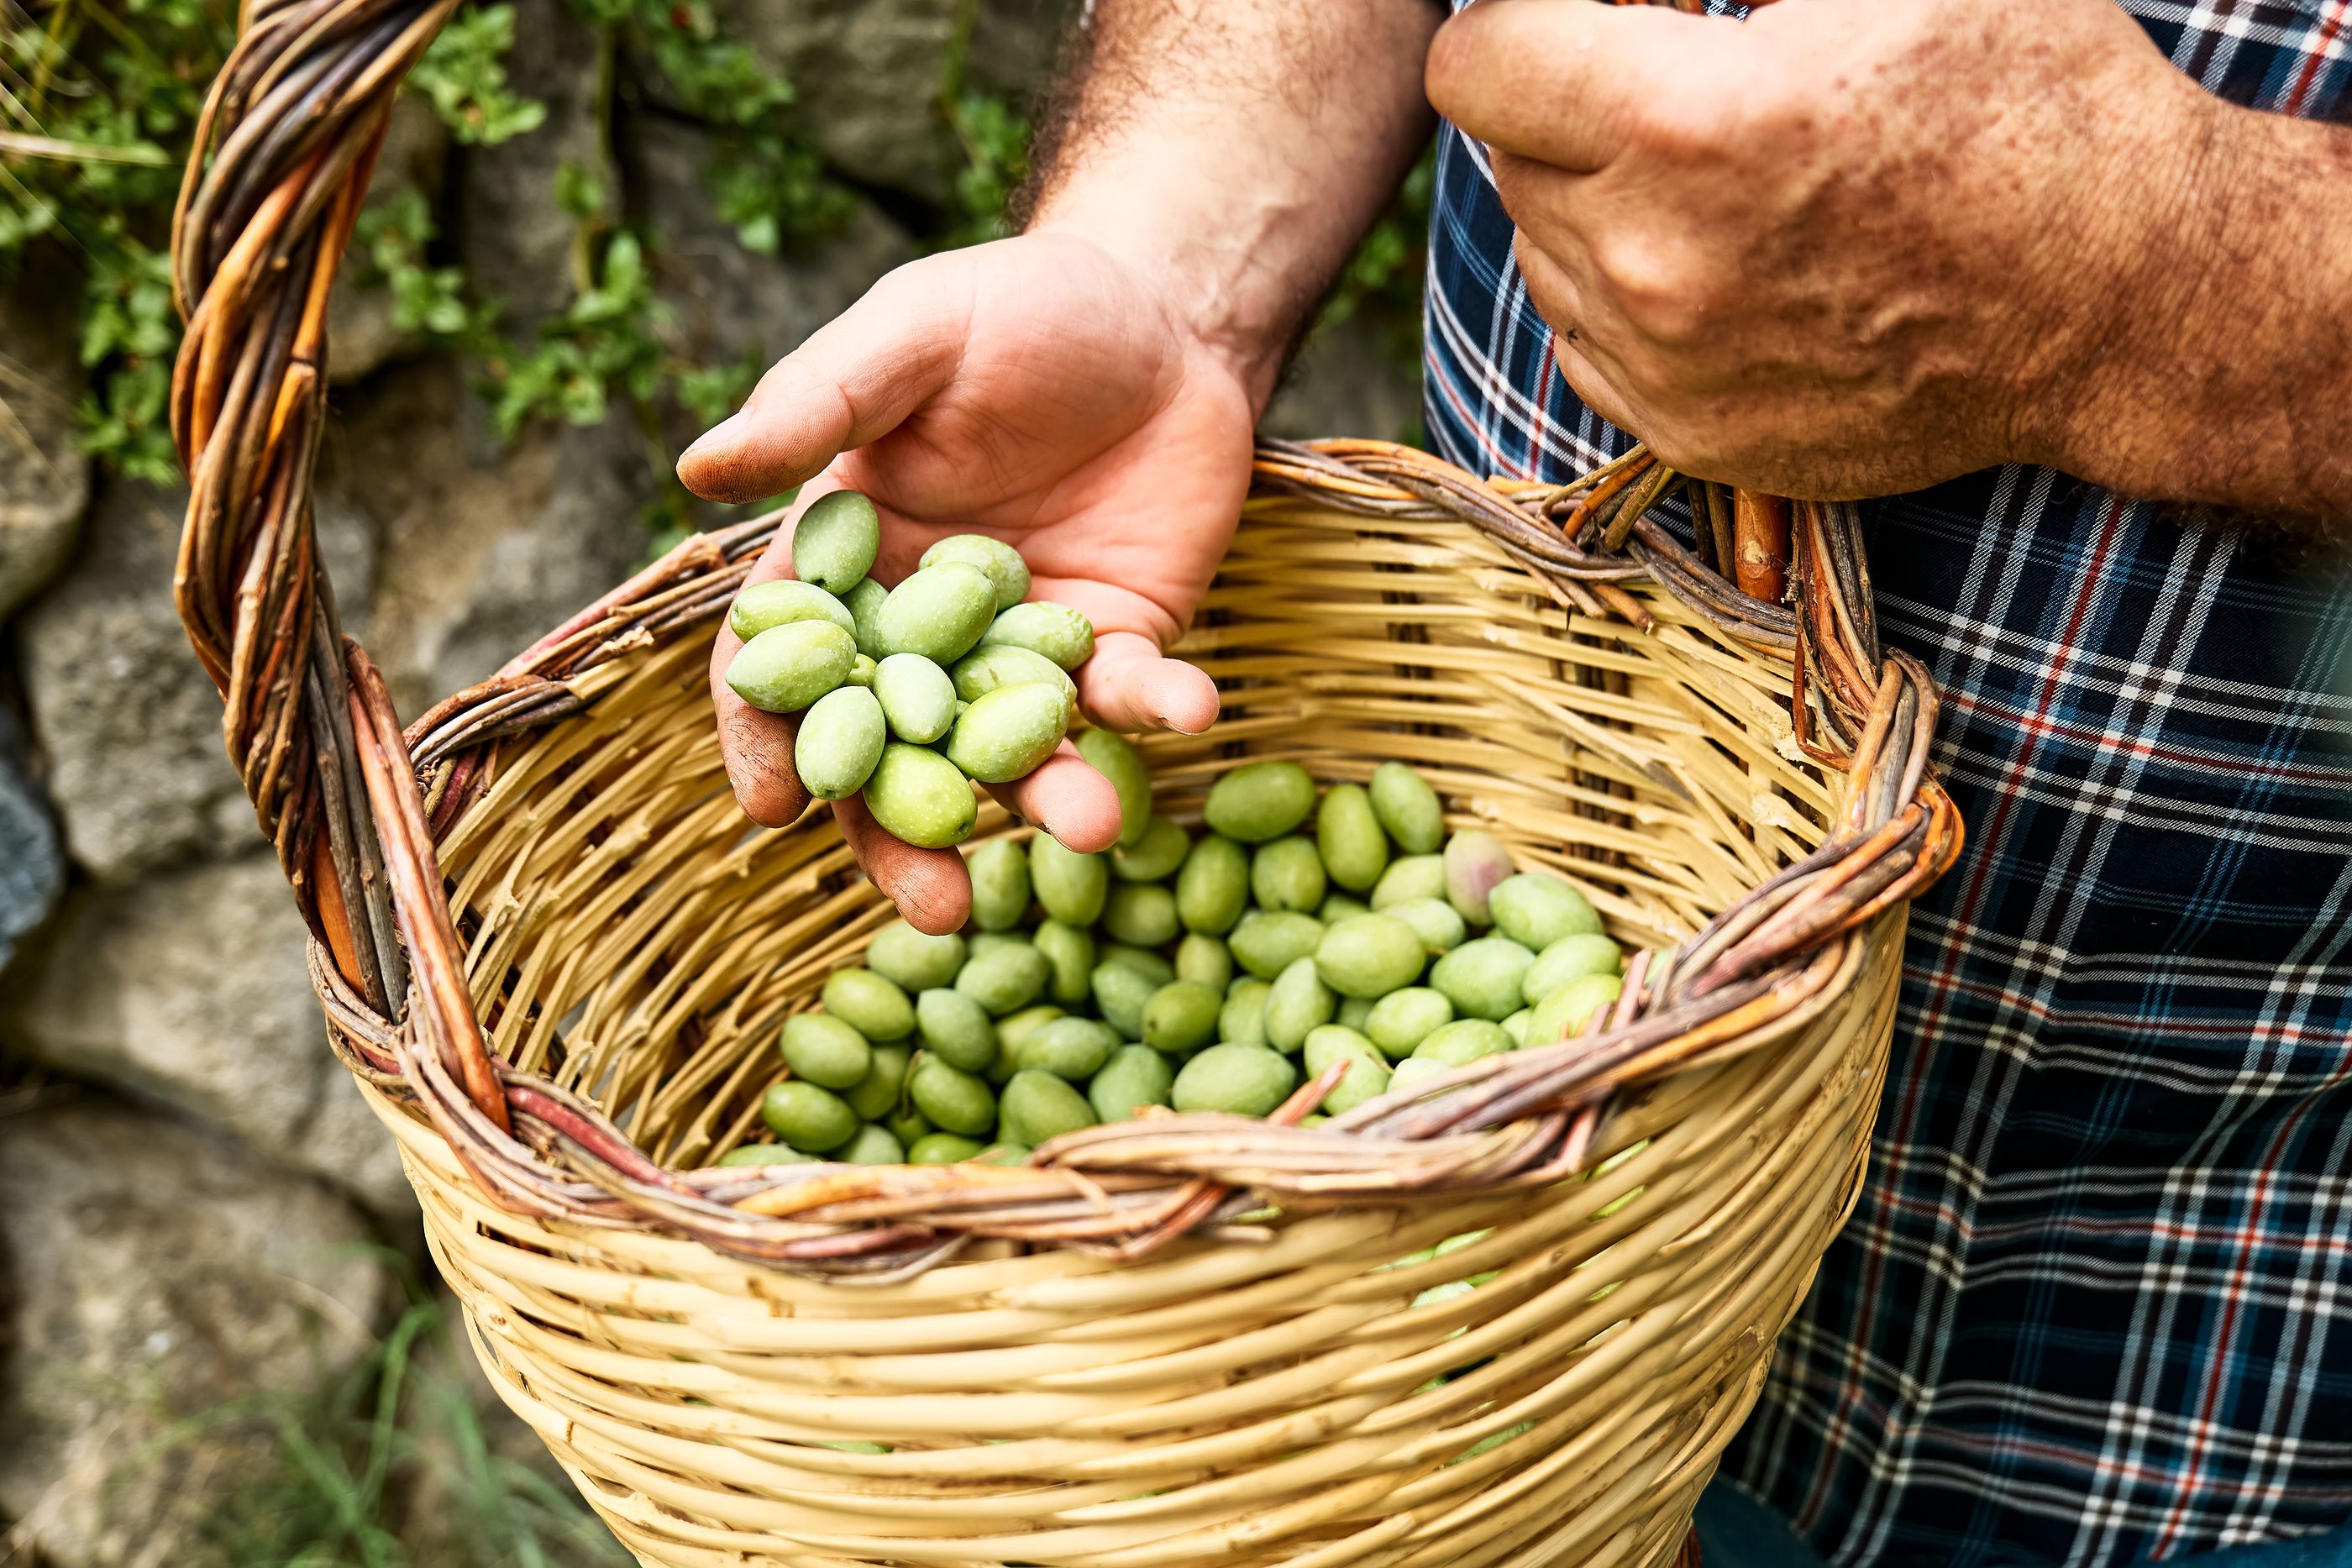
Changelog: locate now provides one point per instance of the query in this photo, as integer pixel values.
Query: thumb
(850, 384)
(1561, 81)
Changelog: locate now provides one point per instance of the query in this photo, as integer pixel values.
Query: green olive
(1536, 909)
(1140, 913)
(917, 698)
(921, 797)
(1070, 950)
(1585, 953)
(1111, 756)
(956, 1028)
(787, 667)
(1156, 855)
(875, 1096)
(1370, 955)
(1266, 943)
(1401, 1020)
(1072, 886)
(955, 1100)
(1414, 876)
(1206, 959)
(873, 1146)
(1242, 1016)
(1213, 887)
(1348, 834)
(914, 960)
(1072, 1049)
(1408, 807)
(824, 1051)
(813, 1120)
(939, 612)
(1462, 1041)
(999, 868)
(1056, 631)
(1481, 979)
(783, 601)
(1134, 1077)
(942, 1149)
(1179, 1016)
(1260, 800)
(1037, 1107)
(1367, 1077)
(840, 741)
(1298, 1003)
(1287, 873)
(870, 1004)
(1006, 979)
(1246, 1080)
(1007, 572)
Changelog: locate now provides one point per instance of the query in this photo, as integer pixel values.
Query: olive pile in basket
(1202, 973)
(906, 692)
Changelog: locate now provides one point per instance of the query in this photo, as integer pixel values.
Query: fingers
(1128, 686)
(1582, 352)
(850, 384)
(1067, 799)
(757, 747)
(1560, 80)
(929, 886)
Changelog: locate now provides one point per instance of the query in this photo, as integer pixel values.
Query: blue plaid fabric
(2093, 1305)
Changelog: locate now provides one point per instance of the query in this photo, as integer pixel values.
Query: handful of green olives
(907, 693)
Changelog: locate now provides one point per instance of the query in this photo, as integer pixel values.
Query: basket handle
(292, 126)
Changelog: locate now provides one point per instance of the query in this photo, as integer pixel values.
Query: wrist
(1219, 295)
(2211, 379)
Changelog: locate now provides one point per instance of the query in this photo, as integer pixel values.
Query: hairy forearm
(2227, 379)
(1236, 150)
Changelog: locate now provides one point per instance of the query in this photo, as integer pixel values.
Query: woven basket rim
(355, 806)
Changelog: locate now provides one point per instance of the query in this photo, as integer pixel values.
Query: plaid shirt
(2093, 1307)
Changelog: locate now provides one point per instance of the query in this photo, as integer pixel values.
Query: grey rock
(1015, 43)
(153, 1274)
(867, 74)
(44, 481)
(726, 300)
(362, 336)
(513, 239)
(32, 869)
(127, 719)
(1347, 380)
(484, 550)
(192, 989)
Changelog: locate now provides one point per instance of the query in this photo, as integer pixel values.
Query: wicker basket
(555, 957)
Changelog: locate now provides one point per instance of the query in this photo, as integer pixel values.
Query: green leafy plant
(463, 73)
(389, 1465)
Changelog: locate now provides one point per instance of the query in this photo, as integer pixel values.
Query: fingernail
(724, 433)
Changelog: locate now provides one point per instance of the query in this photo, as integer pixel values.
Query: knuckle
(1663, 288)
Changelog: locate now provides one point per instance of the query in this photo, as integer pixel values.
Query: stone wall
(194, 1203)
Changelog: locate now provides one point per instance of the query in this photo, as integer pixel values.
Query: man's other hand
(1845, 247)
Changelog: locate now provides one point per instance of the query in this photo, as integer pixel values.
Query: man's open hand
(1844, 247)
(1036, 390)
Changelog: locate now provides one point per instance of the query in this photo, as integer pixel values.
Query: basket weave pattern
(555, 957)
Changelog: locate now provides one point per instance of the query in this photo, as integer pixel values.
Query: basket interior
(630, 935)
